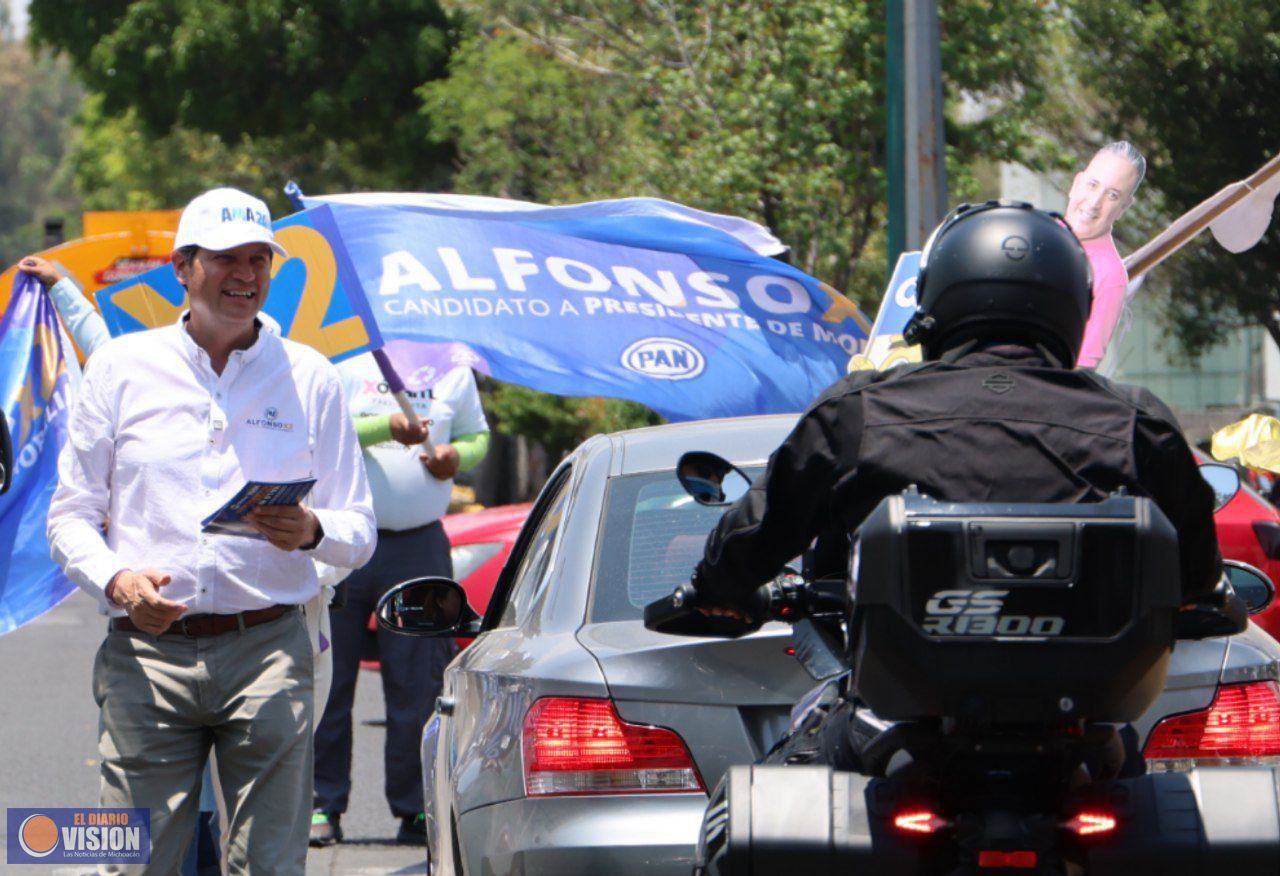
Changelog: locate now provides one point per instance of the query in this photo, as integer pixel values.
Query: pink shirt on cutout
(1110, 280)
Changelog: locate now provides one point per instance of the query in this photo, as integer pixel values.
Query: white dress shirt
(405, 494)
(158, 441)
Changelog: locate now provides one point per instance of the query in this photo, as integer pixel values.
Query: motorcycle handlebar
(678, 614)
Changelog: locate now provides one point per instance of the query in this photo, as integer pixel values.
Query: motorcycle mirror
(6, 456)
(1251, 585)
(427, 607)
(1223, 479)
(711, 480)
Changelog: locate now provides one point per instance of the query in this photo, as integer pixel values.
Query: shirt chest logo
(379, 387)
(270, 420)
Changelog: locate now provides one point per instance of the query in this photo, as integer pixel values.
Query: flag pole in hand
(396, 385)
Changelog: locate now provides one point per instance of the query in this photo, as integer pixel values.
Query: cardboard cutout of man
(1099, 196)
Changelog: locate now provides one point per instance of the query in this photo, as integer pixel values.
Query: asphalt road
(48, 743)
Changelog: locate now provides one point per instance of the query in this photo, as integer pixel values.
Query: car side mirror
(427, 607)
(711, 480)
(1252, 585)
(1223, 480)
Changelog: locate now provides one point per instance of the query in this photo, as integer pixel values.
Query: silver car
(570, 739)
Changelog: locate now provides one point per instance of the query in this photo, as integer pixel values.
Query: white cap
(223, 219)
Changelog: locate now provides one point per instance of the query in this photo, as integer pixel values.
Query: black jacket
(998, 425)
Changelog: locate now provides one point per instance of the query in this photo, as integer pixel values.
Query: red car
(1249, 531)
(479, 544)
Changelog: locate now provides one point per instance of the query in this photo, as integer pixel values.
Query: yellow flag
(1254, 441)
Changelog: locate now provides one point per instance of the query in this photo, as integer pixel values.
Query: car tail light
(1268, 533)
(1091, 823)
(996, 859)
(919, 821)
(581, 746)
(1241, 726)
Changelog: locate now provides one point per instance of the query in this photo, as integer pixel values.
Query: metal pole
(896, 134)
(917, 166)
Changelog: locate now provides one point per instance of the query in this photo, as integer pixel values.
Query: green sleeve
(471, 449)
(373, 430)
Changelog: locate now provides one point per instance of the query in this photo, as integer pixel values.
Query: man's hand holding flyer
(230, 518)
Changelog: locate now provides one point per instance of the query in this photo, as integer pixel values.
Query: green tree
(118, 164)
(1194, 85)
(333, 79)
(769, 110)
(531, 127)
(38, 98)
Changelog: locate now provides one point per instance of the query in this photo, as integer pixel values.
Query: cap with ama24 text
(222, 219)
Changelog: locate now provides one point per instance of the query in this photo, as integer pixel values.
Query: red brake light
(1243, 723)
(1091, 823)
(994, 859)
(919, 821)
(581, 746)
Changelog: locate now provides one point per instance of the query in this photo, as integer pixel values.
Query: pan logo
(664, 359)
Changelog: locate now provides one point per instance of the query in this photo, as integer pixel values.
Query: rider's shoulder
(856, 382)
(1139, 397)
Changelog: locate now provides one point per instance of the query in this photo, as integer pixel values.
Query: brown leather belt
(210, 624)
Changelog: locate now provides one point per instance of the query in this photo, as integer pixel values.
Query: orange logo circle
(38, 835)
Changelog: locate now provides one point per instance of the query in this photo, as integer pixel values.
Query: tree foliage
(38, 98)
(769, 110)
(531, 127)
(119, 164)
(560, 424)
(334, 78)
(1194, 85)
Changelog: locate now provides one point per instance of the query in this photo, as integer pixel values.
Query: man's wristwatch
(310, 546)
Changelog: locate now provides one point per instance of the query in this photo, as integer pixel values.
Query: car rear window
(653, 536)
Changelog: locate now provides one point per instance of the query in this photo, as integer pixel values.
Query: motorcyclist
(995, 412)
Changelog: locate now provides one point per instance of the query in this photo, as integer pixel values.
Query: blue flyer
(229, 519)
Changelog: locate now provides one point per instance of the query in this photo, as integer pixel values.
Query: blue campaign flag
(37, 380)
(315, 296)
(654, 305)
(885, 346)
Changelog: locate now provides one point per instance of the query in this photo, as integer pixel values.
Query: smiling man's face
(226, 288)
(1099, 194)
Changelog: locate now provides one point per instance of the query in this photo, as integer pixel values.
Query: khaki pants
(165, 701)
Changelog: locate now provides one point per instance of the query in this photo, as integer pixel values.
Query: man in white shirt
(410, 494)
(207, 646)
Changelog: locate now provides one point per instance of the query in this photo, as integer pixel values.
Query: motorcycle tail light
(1241, 726)
(1091, 823)
(920, 821)
(996, 859)
(578, 746)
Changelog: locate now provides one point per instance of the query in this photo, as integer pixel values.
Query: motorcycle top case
(1013, 613)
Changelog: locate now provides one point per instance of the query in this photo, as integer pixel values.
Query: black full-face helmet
(1002, 271)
